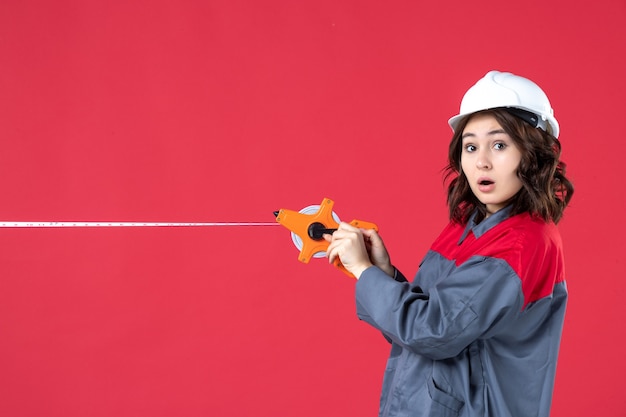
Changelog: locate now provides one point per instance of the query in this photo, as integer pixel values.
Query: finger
(371, 234)
(331, 251)
(373, 238)
(347, 231)
(347, 227)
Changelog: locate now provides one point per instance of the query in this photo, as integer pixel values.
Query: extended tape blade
(39, 224)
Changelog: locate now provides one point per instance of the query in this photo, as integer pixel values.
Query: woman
(477, 332)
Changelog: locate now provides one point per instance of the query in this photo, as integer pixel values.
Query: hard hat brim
(550, 120)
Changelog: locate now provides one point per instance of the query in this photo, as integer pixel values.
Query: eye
(499, 146)
(469, 148)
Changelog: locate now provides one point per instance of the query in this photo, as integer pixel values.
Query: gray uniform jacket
(477, 332)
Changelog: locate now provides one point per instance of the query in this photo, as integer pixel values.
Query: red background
(226, 110)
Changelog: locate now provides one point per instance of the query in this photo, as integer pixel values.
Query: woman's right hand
(377, 251)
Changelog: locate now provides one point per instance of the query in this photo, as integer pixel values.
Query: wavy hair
(545, 191)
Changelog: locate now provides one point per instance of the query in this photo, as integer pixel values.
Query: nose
(483, 161)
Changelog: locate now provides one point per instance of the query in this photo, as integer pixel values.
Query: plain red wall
(227, 110)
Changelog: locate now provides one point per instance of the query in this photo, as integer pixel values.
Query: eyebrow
(490, 133)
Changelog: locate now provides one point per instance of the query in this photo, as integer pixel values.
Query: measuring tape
(306, 224)
(32, 224)
(307, 227)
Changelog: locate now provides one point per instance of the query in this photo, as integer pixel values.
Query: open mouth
(486, 185)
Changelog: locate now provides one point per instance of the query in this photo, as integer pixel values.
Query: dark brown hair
(545, 191)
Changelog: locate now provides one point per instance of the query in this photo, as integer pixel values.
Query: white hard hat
(503, 89)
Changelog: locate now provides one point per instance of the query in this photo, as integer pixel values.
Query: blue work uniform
(477, 332)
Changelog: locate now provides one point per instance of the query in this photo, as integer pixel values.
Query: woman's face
(489, 160)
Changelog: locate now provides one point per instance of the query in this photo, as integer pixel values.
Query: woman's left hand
(347, 244)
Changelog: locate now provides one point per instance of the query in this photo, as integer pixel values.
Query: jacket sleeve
(478, 297)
